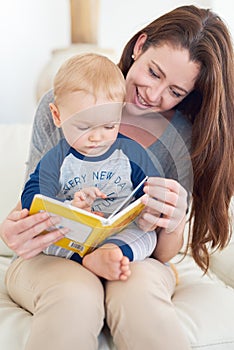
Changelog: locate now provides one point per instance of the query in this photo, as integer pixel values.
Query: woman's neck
(147, 128)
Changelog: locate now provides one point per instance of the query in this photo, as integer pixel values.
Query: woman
(180, 63)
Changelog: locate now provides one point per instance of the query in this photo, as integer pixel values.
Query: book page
(77, 229)
(127, 201)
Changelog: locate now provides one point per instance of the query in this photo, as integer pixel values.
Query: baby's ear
(55, 114)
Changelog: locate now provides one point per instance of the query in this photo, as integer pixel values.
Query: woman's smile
(141, 102)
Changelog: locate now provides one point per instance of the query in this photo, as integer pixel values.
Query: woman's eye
(175, 93)
(152, 72)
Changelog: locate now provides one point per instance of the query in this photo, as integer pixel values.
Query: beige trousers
(140, 313)
(67, 303)
(65, 299)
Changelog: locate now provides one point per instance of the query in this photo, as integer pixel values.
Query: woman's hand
(21, 232)
(166, 205)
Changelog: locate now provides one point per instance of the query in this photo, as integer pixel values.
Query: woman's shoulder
(172, 150)
(181, 122)
(48, 97)
(43, 110)
(44, 129)
(129, 143)
(178, 128)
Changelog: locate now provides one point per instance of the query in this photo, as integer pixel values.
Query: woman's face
(160, 77)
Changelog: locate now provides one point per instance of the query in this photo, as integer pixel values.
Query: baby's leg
(108, 262)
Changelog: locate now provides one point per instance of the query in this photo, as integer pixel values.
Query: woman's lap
(144, 310)
(139, 311)
(65, 299)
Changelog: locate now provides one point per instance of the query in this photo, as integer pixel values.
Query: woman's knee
(147, 291)
(47, 280)
(149, 278)
(76, 290)
(141, 305)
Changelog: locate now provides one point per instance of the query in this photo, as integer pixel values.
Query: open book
(87, 229)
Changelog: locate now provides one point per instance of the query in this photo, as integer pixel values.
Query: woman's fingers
(166, 204)
(17, 215)
(158, 207)
(22, 232)
(158, 182)
(166, 190)
(37, 244)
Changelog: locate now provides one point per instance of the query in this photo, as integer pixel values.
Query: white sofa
(205, 304)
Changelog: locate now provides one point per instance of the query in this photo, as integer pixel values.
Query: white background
(31, 29)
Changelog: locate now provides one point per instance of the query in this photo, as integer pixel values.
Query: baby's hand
(84, 198)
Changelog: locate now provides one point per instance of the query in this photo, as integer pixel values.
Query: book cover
(86, 229)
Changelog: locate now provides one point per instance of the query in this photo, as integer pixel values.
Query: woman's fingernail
(64, 230)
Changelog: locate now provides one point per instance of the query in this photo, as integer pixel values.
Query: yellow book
(86, 229)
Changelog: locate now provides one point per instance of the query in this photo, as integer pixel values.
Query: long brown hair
(211, 109)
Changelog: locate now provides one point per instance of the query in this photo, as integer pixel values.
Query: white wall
(120, 19)
(225, 10)
(31, 29)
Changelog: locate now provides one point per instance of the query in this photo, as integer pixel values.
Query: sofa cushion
(222, 263)
(4, 250)
(12, 317)
(14, 144)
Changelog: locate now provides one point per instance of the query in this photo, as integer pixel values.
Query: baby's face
(90, 126)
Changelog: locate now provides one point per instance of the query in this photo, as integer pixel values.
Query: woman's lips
(140, 101)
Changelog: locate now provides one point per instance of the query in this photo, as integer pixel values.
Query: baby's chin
(93, 152)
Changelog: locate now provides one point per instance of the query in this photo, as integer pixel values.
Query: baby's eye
(82, 128)
(153, 74)
(110, 127)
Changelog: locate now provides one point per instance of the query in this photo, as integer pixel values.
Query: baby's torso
(112, 176)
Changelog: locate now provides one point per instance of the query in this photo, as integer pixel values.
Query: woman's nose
(154, 94)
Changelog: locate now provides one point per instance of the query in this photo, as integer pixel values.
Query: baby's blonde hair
(91, 73)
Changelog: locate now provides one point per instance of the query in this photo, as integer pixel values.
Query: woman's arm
(169, 244)
(45, 134)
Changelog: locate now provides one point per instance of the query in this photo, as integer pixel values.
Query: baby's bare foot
(108, 262)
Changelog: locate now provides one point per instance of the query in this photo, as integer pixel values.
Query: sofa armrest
(14, 145)
(222, 264)
(4, 250)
